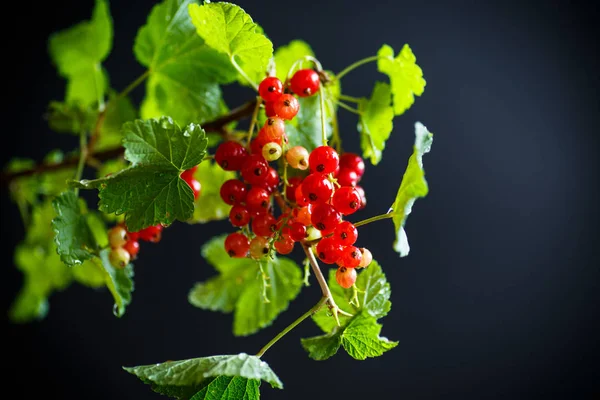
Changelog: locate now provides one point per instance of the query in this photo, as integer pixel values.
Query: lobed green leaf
(210, 206)
(118, 280)
(376, 122)
(230, 387)
(413, 186)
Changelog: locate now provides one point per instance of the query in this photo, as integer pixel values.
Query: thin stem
(373, 219)
(130, 87)
(253, 122)
(347, 107)
(355, 65)
(323, 130)
(242, 73)
(83, 153)
(349, 98)
(291, 326)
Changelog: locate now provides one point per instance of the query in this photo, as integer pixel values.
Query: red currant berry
(363, 197)
(264, 225)
(119, 257)
(347, 177)
(239, 215)
(259, 247)
(345, 277)
(345, 233)
(133, 248)
(237, 245)
(271, 151)
(351, 257)
(367, 257)
(284, 244)
(274, 128)
(354, 162)
(230, 155)
(117, 236)
(323, 160)
(346, 200)
(283, 222)
(254, 169)
(290, 190)
(329, 250)
(270, 88)
(305, 82)
(317, 188)
(325, 218)
(233, 191)
(302, 214)
(269, 110)
(188, 174)
(152, 233)
(301, 199)
(196, 188)
(297, 231)
(271, 180)
(297, 157)
(258, 200)
(286, 106)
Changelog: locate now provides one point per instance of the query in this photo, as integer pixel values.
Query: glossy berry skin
(258, 200)
(152, 233)
(233, 191)
(353, 162)
(351, 256)
(274, 128)
(305, 82)
(302, 214)
(345, 233)
(117, 236)
(260, 141)
(230, 155)
(270, 88)
(254, 169)
(271, 151)
(301, 199)
(239, 215)
(346, 200)
(284, 244)
(290, 190)
(347, 177)
(329, 250)
(237, 245)
(271, 180)
(363, 197)
(196, 188)
(264, 225)
(317, 188)
(367, 257)
(286, 106)
(323, 160)
(297, 231)
(269, 110)
(133, 248)
(325, 218)
(188, 174)
(297, 157)
(345, 277)
(259, 247)
(119, 257)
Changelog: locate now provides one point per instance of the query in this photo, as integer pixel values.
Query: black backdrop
(499, 296)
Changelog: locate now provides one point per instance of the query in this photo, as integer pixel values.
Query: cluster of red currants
(312, 203)
(125, 245)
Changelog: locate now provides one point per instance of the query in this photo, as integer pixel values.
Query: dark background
(499, 295)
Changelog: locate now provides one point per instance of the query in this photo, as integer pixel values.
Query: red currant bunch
(125, 245)
(311, 205)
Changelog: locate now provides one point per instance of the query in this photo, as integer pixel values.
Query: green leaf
(210, 206)
(70, 118)
(306, 128)
(184, 72)
(118, 111)
(376, 122)
(78, 52)
(74, 239)
(285, 56)
(228, 29)
(192, 373)
(150, 191)
(358, 335)
(239, 288)
(230, 387)
(406, 77)
(412, 187)
(118, 280)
